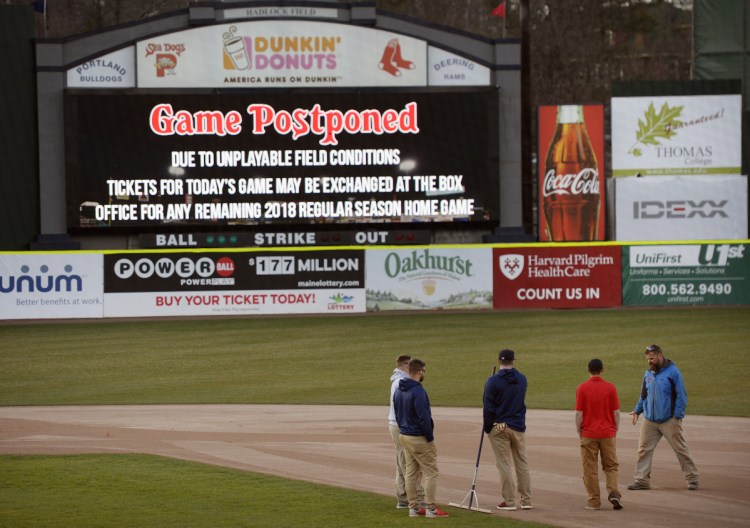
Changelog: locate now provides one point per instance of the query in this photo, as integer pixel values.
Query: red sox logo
(392, 61)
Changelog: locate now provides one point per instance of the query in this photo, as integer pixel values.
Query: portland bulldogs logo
(511, 265)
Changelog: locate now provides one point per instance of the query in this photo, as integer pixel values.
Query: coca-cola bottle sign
(585, 181)
(570, 185)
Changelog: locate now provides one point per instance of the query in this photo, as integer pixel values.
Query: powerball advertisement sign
(233, 283)
(557, 277)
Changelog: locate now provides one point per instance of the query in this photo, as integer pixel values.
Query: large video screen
(217, 159)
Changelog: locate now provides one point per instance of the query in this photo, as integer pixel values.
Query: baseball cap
(507, 355)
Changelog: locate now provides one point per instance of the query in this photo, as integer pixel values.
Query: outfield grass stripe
(347, 360)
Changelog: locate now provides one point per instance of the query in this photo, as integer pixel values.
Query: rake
(471, 497)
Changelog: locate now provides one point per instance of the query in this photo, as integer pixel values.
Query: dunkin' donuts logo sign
(300, 52)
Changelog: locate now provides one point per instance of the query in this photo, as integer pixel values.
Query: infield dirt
(349, 446)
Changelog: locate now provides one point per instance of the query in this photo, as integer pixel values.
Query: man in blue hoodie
(414, 418)
(663, 401)
(505, 424)
(399, 373)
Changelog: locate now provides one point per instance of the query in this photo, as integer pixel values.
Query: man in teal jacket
(663, 401)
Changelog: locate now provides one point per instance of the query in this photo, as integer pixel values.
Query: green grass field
(318, 360)
(148, 491)
(347, 360)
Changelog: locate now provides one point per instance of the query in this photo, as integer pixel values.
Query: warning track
(349, 446)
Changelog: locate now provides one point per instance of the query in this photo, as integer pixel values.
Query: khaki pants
(590, 450)
(420, 455)
(651, 433)
(507, 443)
(401, 470)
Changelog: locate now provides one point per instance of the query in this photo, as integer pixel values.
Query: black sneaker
(614, 500)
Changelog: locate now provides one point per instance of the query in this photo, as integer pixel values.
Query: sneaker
(593, 507)
(525, 506)
(614, 500)
(638, 486)
(436, 512)
(504, 506)
(416, 512)
(402, 505)
(693, 485)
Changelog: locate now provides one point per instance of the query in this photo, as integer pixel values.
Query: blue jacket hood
(505, 400)
(407, 384)
(509, 376)
(413, 413)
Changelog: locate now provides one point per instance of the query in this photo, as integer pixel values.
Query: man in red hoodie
(597, 421)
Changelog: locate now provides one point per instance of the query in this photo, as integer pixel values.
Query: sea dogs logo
(511, 265)
(166, 57)
(42, 282)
